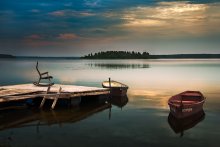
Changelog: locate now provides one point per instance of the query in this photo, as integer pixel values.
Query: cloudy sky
(79, 27)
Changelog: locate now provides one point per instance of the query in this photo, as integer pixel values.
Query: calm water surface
(142, 121)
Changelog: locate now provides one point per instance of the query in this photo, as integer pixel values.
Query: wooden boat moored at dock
(116, 88)
(186, 104)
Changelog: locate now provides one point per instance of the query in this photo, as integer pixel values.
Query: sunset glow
(77, 28)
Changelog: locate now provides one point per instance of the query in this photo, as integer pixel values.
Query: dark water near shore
(142, 121)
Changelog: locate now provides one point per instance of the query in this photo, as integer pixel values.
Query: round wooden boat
(117, 88)
(186, 104)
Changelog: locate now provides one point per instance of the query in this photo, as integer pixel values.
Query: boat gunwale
(179, 104)
(123, 85)
(202, 101)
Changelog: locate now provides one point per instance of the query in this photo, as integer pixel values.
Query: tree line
(117, 55)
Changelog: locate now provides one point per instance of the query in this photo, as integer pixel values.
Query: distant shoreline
(171, 56)
(175, 56)
(186, 56)
(145, 55)
(6, 56)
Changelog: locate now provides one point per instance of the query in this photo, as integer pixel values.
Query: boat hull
(185, 111)
(116, 88)
(186, 104)
(118, 91)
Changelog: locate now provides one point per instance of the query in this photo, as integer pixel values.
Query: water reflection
(149, 91)
(37, 118)
(118, 66)
(119, 101)
(181, 125)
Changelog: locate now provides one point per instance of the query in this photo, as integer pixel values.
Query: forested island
(145, 55)
(117, 55)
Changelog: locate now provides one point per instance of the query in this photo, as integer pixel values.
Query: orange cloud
(34, 36)
(169, 19)
(39, 43)
(36, 40)
(67, 36)
(71, 13)
(58, 13)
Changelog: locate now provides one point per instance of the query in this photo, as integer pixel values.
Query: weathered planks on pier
(26, 91)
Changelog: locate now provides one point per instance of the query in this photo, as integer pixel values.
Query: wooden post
(109, 80)
(110, 87)
(56, 98)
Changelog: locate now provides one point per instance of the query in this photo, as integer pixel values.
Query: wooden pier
(55, 92)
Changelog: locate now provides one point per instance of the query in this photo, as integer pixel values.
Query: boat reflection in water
(180, 125)
(36, 118)
(119, 101)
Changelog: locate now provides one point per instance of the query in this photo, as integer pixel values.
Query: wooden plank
(16, 98)
(9, 92)
(44, 98)
(56, 98)
(54, 88)
(89, 93)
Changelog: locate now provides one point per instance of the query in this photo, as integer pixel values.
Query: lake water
(142, 121)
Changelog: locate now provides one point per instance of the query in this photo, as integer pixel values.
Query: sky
(79, 27)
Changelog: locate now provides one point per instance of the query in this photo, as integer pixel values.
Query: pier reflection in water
(35, 117)
(181, 125)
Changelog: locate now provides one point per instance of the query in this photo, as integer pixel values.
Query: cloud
(34, 37)
(34, 10)
(164, 11)
(169, 19)
(71, 13)
(145, 23)
(58, 13)
(92, 3)
(68, 4)
(67, 36)
(40, 43)
(36, 40)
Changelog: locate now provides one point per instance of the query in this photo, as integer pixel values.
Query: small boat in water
(186, 104)
(117, 88)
